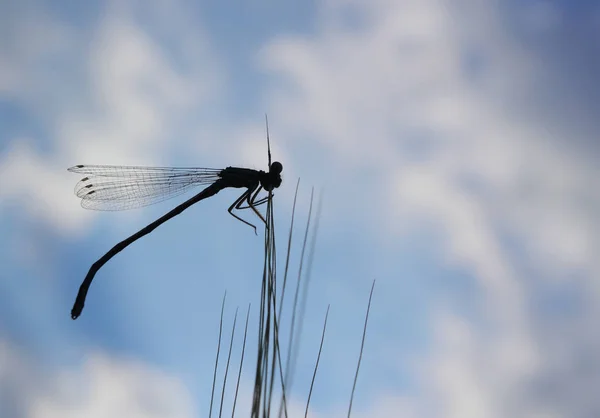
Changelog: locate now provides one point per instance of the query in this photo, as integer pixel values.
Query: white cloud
(103, 386)
(431, 99)
(37, 185)
(138, 91)
(30, 43)
(108, 93)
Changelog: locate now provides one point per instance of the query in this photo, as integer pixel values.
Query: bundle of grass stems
(274, 369)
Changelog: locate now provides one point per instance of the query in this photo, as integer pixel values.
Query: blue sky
(456, 147)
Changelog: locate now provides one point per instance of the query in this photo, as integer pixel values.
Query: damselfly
(107, 187)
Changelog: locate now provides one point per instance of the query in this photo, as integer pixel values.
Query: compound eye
(276, 168)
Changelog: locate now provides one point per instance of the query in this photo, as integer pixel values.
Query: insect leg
(259, 202)
(235, 205)
(250, 200)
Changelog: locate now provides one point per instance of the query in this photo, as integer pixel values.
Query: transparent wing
(108, 187)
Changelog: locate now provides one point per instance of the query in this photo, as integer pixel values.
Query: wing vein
(127, 187)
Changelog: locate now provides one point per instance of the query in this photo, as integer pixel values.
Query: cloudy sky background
(456, 146)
